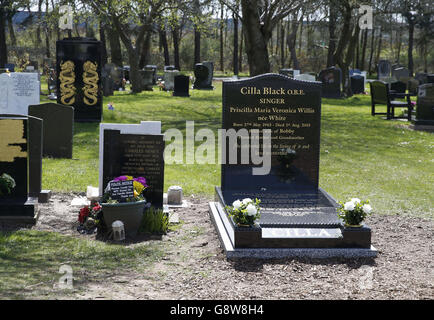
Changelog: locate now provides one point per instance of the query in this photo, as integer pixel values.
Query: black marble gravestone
(107, 83)
(384, 69)
(35, 138)
(147, 78)
(425, 105)
(15, 202)
(79, 77)
(357, 84)
(291, 201)
(137, 155)
(58, 128)
(203, 73)
(331, 79)
(182, 84)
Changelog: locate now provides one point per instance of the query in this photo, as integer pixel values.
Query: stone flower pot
(130, 213)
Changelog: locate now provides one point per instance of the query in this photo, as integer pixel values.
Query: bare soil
(195, 267)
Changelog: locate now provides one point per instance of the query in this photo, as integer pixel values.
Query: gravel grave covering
(195, 267)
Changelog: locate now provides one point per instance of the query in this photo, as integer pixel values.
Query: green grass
(361, 155)
(30, 261)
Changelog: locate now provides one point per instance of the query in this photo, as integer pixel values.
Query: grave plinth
(295, 212)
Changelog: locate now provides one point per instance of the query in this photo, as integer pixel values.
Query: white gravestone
(169, 79)
(18, 91)
(145, 127)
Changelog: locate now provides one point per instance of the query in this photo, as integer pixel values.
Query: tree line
(262, 35)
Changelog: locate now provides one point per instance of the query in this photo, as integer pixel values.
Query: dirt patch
(195, 267)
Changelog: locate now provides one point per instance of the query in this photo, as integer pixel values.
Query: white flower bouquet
(245, 212)
(354, 212)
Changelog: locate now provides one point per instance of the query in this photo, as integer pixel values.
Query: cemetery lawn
(361, 156)
(30, 261)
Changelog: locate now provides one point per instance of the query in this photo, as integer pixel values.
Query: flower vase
(130, 213)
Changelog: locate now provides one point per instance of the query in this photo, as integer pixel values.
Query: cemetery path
(194, 267)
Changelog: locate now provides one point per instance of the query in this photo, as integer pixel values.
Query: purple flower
(142, 181)
(121, 178)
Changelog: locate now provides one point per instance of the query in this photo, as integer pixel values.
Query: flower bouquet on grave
(128, 208)
(354, 212)
(245, 212)
(7, 184)
(90, 218)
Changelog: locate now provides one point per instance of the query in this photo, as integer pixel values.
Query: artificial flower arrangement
(354, 212)
(245, 212)
(7, 184)
(89, 218)
(139, 185)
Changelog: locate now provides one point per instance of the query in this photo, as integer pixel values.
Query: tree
(259, 17)
(7, 9)
(133, 18)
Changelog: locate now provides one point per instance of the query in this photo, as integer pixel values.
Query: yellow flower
(138, 187)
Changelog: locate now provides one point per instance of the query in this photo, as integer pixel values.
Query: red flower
(84, 212)
(96, 208)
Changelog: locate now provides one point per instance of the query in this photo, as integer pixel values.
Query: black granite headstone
(203, 73)
(295, 212)
(331, 79)
(14, 162)
(58, 128)
(384, 69)
(79, 77)
(147, 78)
(291, 109)
(357, 84)
(425, 105)
(135, 155)
(35, 136)
(182, 84)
